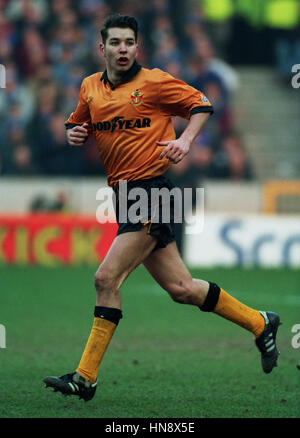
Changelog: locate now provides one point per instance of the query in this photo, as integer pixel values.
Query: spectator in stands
(27, 12)
(208, 81)
(22, 161)
(238, 162)
(16, 154)
(31, 53)
(217, 24)
(53, 155)
(167, 51)
(16, 93)
(201, 156)
(204, 48)
(162, 28)
(8, 36)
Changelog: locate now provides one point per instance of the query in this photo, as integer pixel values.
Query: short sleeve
(176, 98)
(82, 113)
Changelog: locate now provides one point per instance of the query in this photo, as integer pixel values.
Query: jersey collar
(130, 74)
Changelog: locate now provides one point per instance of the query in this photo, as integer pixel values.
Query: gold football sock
(220, 302)
(99, 339)
(237, 312)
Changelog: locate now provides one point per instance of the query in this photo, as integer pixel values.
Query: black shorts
(153, 220)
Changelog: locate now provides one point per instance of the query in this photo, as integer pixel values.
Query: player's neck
(114, 77)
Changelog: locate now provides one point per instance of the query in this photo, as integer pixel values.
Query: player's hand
(175, 150)
(77, 135)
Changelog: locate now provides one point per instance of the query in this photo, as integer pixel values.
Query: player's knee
(181, 293)
(104, 282)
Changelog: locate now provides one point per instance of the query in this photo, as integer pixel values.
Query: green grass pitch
(166, 360)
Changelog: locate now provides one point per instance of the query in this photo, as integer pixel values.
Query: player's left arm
(176, 150)
(176, 98)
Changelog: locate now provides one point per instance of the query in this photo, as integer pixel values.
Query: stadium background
(240, 53)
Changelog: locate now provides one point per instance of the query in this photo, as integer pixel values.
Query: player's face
(119, 50)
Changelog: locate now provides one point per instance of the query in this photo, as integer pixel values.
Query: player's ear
(102, 49)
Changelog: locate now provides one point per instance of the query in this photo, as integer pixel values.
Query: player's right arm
(79, 125)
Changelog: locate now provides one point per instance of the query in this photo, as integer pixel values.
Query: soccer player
(128, 109)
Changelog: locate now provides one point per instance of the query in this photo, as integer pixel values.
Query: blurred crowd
(48, 47)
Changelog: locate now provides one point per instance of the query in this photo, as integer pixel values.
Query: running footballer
(129, 110)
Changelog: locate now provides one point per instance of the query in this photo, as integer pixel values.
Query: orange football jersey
(128, 120)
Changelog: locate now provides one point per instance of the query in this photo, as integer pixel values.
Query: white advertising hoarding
(245, 240)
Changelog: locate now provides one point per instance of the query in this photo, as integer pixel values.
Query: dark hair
(118, 20)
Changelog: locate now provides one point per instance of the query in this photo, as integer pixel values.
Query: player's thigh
(167, 268)
(127, 251)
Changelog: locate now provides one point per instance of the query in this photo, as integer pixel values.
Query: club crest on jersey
(136, 98)
(204, 99)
